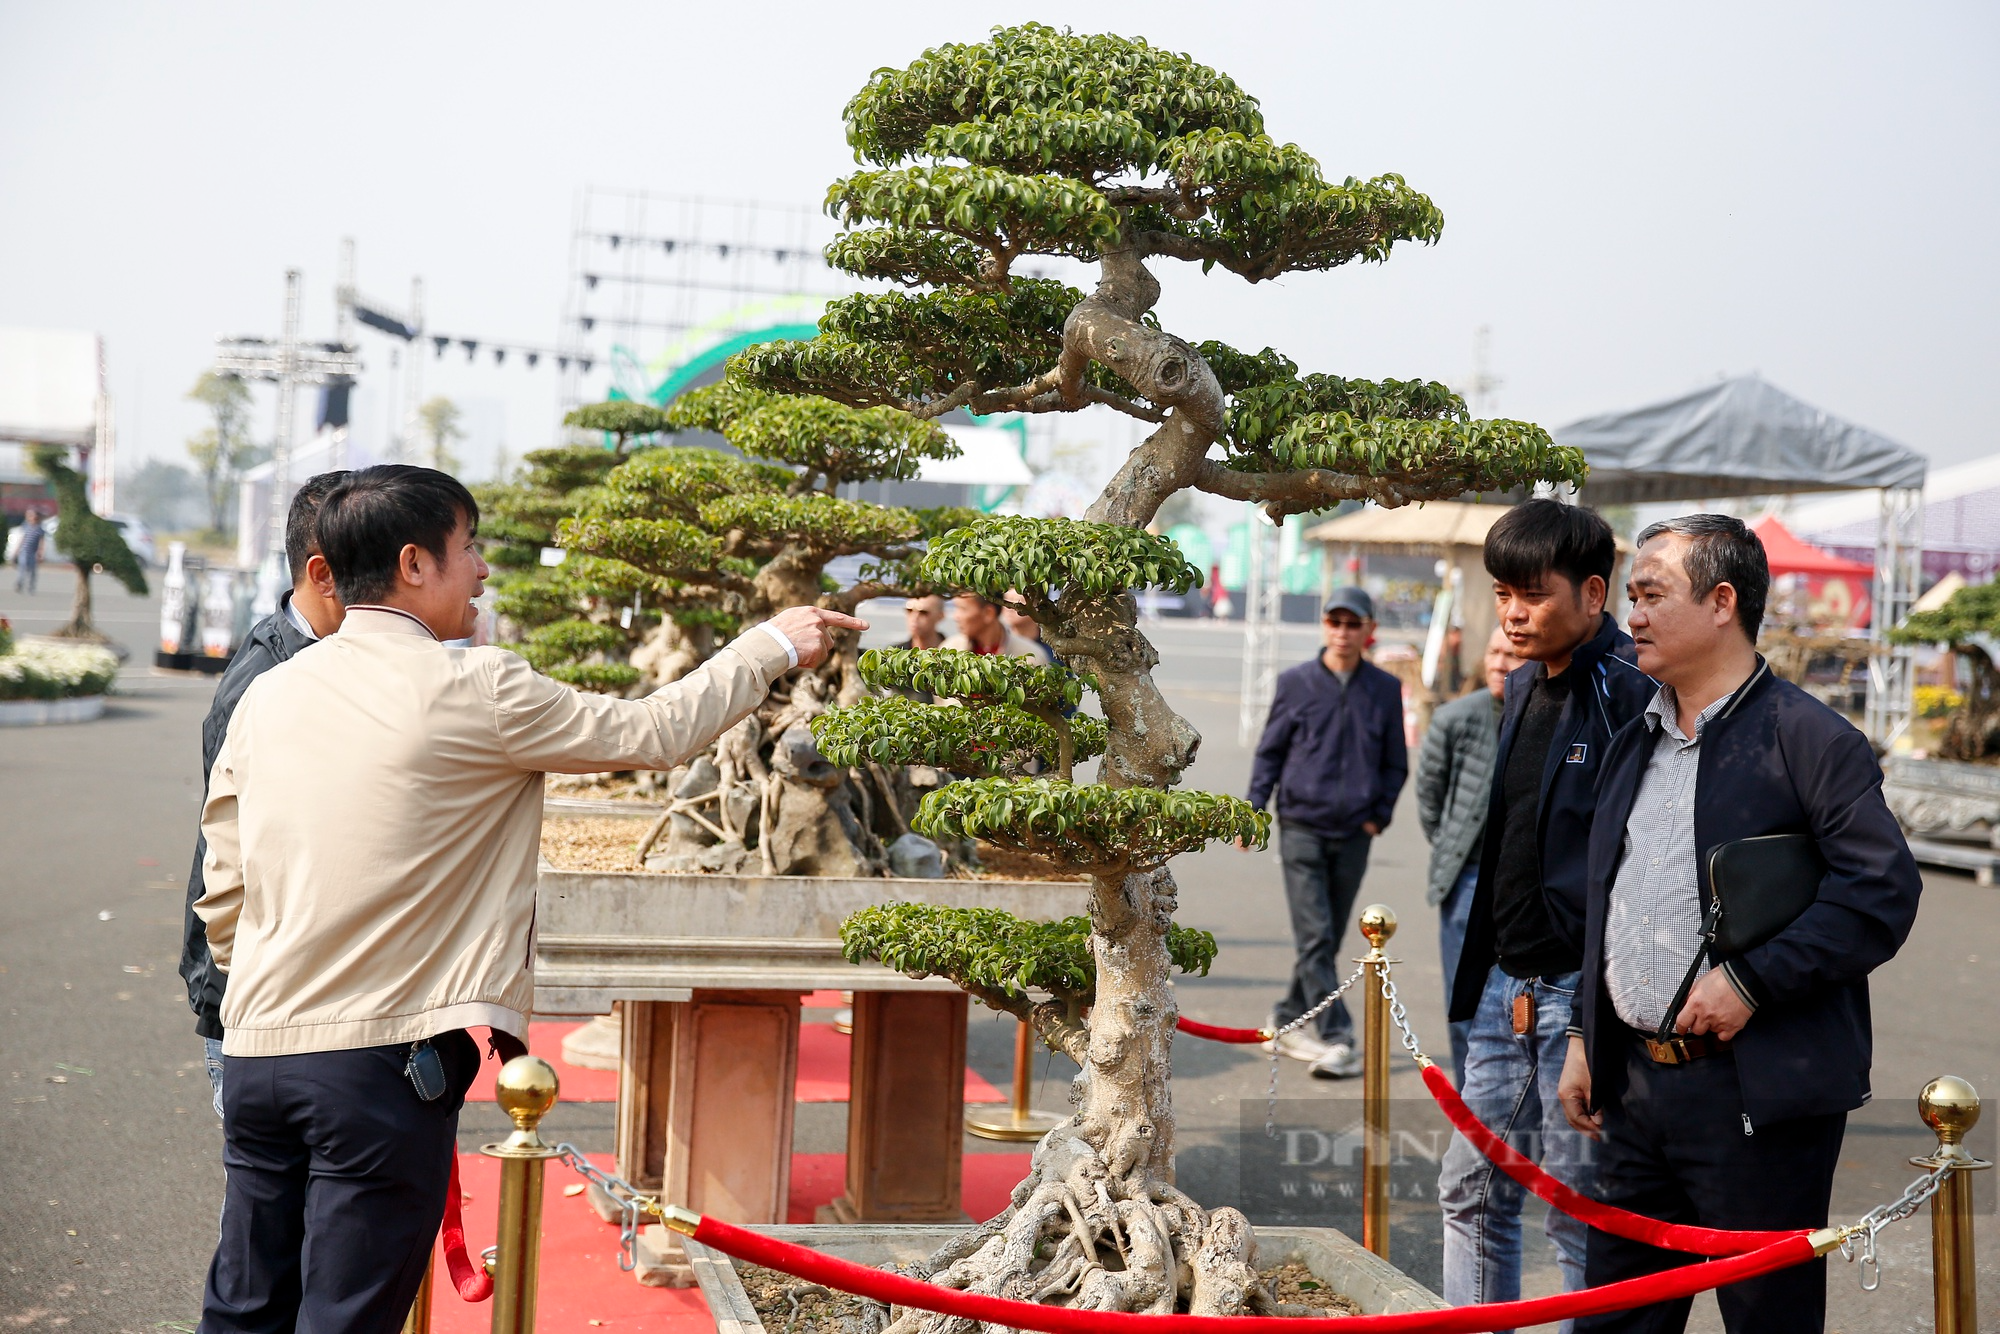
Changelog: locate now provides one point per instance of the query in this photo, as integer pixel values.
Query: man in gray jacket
(1454, 779)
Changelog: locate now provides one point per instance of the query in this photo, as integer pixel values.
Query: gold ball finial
(1378, 923)
(526, 1089)
(1949, 1106)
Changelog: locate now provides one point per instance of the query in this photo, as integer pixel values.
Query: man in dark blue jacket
(1517, 974)
(1333, 751)
(306, 614)
(1738, 1122)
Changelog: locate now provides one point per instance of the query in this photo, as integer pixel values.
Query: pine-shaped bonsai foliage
(1967, 623)
(696, 542)
(1108, 151)
(91, 541)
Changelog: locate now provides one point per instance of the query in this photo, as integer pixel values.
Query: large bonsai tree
(1110, 152)
(94, 543)
(1967, 623)
(665, 547)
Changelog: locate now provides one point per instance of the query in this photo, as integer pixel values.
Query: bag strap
(1709, 920)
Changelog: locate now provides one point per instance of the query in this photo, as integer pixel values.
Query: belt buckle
(1671, 1052)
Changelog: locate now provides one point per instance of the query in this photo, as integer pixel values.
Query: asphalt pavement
(109, 1154)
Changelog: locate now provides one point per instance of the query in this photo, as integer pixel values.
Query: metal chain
(1872, 1222)
(632, 1202)
(1399, 1016)
(1271, 1100)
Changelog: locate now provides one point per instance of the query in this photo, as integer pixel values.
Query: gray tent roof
(1741, 437)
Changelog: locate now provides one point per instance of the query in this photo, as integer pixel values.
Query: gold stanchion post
(526, 1090)
(418, 1321)
(1378, 923)
(1017, 1121)
(1950, 1107)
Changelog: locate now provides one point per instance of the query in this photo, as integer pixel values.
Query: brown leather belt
(1682, 1048)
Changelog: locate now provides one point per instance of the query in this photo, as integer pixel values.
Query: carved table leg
(905, 1134)
(705, 1101)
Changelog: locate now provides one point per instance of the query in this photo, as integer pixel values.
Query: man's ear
(412, 564)
(1725, 603)
(320, 575)
(1596, 592)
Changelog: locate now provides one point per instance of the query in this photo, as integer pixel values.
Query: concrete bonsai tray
(602, 936)
(1335, 1259)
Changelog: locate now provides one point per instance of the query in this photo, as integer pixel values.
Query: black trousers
(1675, 1149)
(337, 1178)
(1322, 878)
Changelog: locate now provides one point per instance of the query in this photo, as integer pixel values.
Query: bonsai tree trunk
(1972, 734)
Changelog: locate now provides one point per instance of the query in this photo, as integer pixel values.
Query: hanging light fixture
(588, 323)
(471, 345)
(585, 363)
(532, 357)
(499, 356)
(562, 363)
(616, 240)
(441, 342)
(667, 245)
(590, 281)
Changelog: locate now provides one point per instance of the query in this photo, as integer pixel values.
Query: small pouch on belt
(425, 1071)
(1524, 1013)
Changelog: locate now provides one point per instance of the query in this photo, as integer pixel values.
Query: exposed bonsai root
(1080, 1235)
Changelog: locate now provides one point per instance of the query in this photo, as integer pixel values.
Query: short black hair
(302, 520)
(367, 520)
(1721, 550)
(1537, 537)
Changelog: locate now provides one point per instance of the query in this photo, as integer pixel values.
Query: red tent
(1788, 555)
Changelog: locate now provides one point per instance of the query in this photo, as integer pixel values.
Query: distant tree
(223, 451)
(1968, 624)
(621, 418)
(162, 493)
(438, 419)
(93, 543)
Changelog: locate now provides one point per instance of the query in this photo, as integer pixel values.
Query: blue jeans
(1322, 878)
(211, 1049)
(1453, 913)
(1510, 1084)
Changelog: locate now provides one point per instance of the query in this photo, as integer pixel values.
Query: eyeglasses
(1348, 623)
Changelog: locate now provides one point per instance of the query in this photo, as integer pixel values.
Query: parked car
(130, 526)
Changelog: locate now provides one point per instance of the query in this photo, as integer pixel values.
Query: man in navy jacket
(1517, 973)
(1333, 751)
(1738, 1123)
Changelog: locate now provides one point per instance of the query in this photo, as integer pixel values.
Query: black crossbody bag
(1757, 888)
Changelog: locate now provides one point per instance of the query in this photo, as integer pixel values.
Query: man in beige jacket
(373, 823)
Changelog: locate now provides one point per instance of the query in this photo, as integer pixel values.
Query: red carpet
(825, 1058)
(545, 1041)
(581, 1286)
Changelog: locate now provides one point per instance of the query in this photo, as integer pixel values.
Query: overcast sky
(1637, 199)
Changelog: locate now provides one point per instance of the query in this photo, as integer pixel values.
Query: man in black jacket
(1333, 752)
(1736, 1123)
(1517, 973)
(305, 615)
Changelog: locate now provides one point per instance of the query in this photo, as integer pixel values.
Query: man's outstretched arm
(544, 726)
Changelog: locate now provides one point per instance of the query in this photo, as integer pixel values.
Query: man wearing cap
(1333, 752)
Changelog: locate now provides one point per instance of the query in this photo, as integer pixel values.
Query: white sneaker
(1342, 1061)
(1297, 1044)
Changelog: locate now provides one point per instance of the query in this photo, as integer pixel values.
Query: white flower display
(38, 669)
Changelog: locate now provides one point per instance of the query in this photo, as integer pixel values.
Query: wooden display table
(710, 970)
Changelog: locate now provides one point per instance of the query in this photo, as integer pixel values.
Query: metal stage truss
(668, 276)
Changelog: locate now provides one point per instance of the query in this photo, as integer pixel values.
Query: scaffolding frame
(1899, 556)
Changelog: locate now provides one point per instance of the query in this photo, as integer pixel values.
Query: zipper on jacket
(1748, 1129)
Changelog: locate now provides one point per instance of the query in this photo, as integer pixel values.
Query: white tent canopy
(1740, 437)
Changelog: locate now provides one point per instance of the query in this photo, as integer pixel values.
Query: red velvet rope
(900, 1290)
(1608, 1218)
(474, 1284)
(1196, 1029)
